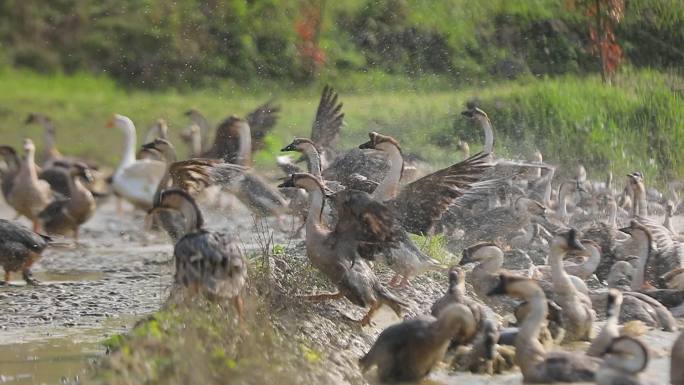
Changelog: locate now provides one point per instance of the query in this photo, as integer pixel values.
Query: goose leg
(239, 304)
(322, 297)
(366, 320)
(28, 277)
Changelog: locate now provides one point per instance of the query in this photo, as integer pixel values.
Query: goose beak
(187, 113)
(367, 145)
(289, 147)
(110, 123)
(149, 146)
(626, 230)
(575, 244)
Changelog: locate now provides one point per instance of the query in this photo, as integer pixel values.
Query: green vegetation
(202, 343)
(191, 43)
(637, 123)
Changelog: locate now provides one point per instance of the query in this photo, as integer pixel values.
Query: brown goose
(207, 262)
(623, 360)
(29, 195)
(229, 142)
(159, 129)
(20, 248)
(12, 163)
(363, 227)
(456, 293)
(408, 351)
(538, 365)
(50, 151)
(65, 216)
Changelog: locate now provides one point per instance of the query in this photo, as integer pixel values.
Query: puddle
(50, 361)
(47, 277)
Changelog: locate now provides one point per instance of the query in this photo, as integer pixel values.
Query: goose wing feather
(325, 131)
(261, 121)
(421, 203)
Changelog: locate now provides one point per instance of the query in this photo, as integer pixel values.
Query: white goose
(135, 180)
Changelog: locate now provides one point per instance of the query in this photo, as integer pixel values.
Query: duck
(209, 263)
(65, 216)
(408, 351)
(676, 358)
(20, 249)
(363, 226)
(135, 180)
(536, 364)
(623, 360)
(29, 195)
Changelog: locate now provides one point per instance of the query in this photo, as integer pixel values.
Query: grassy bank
(638, 123)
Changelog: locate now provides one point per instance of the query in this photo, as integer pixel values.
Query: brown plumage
(337, 252)
(19, 249)
(12, 163)
(325, 131)
(207, 262)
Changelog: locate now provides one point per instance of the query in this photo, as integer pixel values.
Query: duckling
(30, 195)
(207, 262)
(364, 226)
(65, 216)
(578, 314)
(610, 329)
(408, 351)
(677, 357)
(20, 249)
(538, 365)
(623, 360)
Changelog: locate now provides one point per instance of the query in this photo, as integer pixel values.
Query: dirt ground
(118, 273)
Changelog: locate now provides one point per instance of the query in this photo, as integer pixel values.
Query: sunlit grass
(635, 124)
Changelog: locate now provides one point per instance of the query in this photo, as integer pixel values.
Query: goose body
(19, 249)
(135, 180)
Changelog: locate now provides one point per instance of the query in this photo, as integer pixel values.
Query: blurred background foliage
(404, 67)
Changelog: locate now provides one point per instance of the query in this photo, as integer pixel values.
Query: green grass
(638, 123)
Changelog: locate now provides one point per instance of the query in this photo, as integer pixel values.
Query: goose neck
(313, 160)
(561, 279)
(314, 222)
(486, 125)
(245, 145)
(389, 186)
(128, 156)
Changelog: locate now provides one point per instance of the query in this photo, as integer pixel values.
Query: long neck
(563, 201)
(528, 348)
(561, 279)
(49, 139)
(488, 133)
(30, 164)
(128, 156)
(612, 214)
(313, 160)
(170, 156)
(245, 146)
(314, 223)
(641, 242)
(593, 261)
(202, 123)
(389, 186)
(639, 206)
(196, 142)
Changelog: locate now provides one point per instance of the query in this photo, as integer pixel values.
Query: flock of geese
(552, 254)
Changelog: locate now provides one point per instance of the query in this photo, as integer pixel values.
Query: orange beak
(110, 123)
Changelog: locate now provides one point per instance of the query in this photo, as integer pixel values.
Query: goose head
(44, 120)
(380, 142)
(456, 279)
(162, 146)
(515, 286)
(627, 354)
(613, 303)
(28, 146)
(480, 252)
(304, 181)
(180, 201)
(638, 231)
(566, 242)
(121, 122)
(299, 145)
(81, 170)
(193, 113)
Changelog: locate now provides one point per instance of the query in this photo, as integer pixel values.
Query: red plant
(602, 17)
(308, 28)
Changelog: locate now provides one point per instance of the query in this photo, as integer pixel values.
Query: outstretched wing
(364, 223)
(194, 175)
(261, 121)
(325, 131)
(422, 202)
